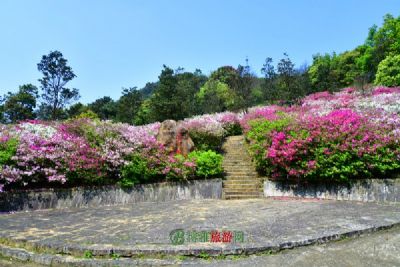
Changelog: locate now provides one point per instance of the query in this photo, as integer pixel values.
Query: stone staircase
(241, 178)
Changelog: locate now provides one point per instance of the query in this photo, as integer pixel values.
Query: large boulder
(175, 138)
(167, 135)
(184, 143)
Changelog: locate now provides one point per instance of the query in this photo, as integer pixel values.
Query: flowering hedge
(330, 137)
(86, 152)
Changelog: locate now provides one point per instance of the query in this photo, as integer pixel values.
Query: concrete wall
(108, 195)
(371, 190)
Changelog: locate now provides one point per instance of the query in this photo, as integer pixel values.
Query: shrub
(388, 72)
(137, 171)
(258, 137)
(206, 141)
(208, 163)
(88, 114)
(8, 149)
(233, 129)
(155, 165)
(179, 168)
(336, 147)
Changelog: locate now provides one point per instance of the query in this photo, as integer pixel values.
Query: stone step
(240, 183)
(241, 159)
(237, 164)
(242, 193)
(241, 172)
(249, 174)
(242, 188)
(229, 175)
(240, 197)
(243, 180)
(240, 169)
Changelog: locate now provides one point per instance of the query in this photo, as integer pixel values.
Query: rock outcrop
(175, 138)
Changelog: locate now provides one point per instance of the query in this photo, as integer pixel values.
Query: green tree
(148, 89)
(106, 108)
(216, 96)
(144, 114)
(128, 105)
(188, 85)
(389, 71)
(2, 119)
(165, 102)
(386, 40)
(243, 89)
(227, 75)
(21, 105)
(269, 85)
(56, 74)
(74, 110)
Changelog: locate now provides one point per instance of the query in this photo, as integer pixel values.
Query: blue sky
(124, 43)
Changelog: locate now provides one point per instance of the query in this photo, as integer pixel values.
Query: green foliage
(115, 256)
(216, 96)
(358, 66)
(88, 254)
(20, 106)
(156, 167)
(88, 114)
(244, 86)
(137, 171)
(286, 85)
(175, 95)
(341, 166)
(144, 114)
(74, 110)
(388, 73)
(258, 137)
(128, 105)
(208, 163)
(269, 86)
(105, 107)
(206, 140)
(8, 149)
(164, 102)
(56, 74)
(233, 129)
(204, 255)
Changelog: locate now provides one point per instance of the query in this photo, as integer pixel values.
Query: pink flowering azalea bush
(330, 138)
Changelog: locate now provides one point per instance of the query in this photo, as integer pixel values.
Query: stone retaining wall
(371, 190)
(108, 195)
